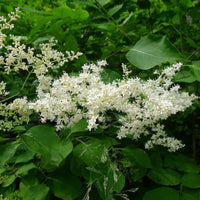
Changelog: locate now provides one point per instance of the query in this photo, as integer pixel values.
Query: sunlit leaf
(152, 50)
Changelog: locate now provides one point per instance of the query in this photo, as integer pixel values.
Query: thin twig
(193, 53)
(113, 53)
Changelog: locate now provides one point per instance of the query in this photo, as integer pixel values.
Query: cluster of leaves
(36, 163)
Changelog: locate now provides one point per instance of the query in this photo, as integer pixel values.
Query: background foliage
(36, 163)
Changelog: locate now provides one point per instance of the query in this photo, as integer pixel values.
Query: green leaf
(137, 155)
(152, 50)
(37, 192)
(115, 9)
(165, 176)
(104, 2)
(66, 12)
(19, 129)
(80, 14)
(9, 180)
(93, 151)
(184, 76)
(181, 163)
(64, 186)
(7, 151)
(108, 76)
(162, 193)
(107, 179)
(185, 196)
(81, 126)
(191, 180)
(41, 40)
(196, 69)
(191, 42)
(71, 43)
(195, 193)
(186, 3)
(156, 160)
(24, 169)
(108, 26)
(137, 172)
(62, 12)
(44, 141)
(26, 183)
(24, 157)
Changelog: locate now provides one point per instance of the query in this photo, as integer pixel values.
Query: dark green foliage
(38, 163)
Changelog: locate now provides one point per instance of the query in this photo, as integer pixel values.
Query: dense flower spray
(140, 105)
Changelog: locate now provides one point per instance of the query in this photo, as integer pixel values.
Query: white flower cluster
(3, 89)
(144, 103)
(18, 56)
(4, 24)
(139, 104)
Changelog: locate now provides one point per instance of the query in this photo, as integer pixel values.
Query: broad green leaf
(44, 141)
(195, 193)
(107, 179)
(62, 12)
(196, 69)
(181, 163)
(165, 176)
(11, 178)
(137, 155)
(186, 3)
(7, 151)
(137, 172)
(152, 50)
(22, 155)
(162, 193)
(156, 160)
(27, 182)
(81, 126)
(185, 196)
(37, 192)
(66, 12)
(175, 19)
(115, 9)
(71, 43)
(20, 171)
(191, 181)
(80, 14)
(93, 151)
(184, 76)
(24, 169)
(41, 40)
(64, 186)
